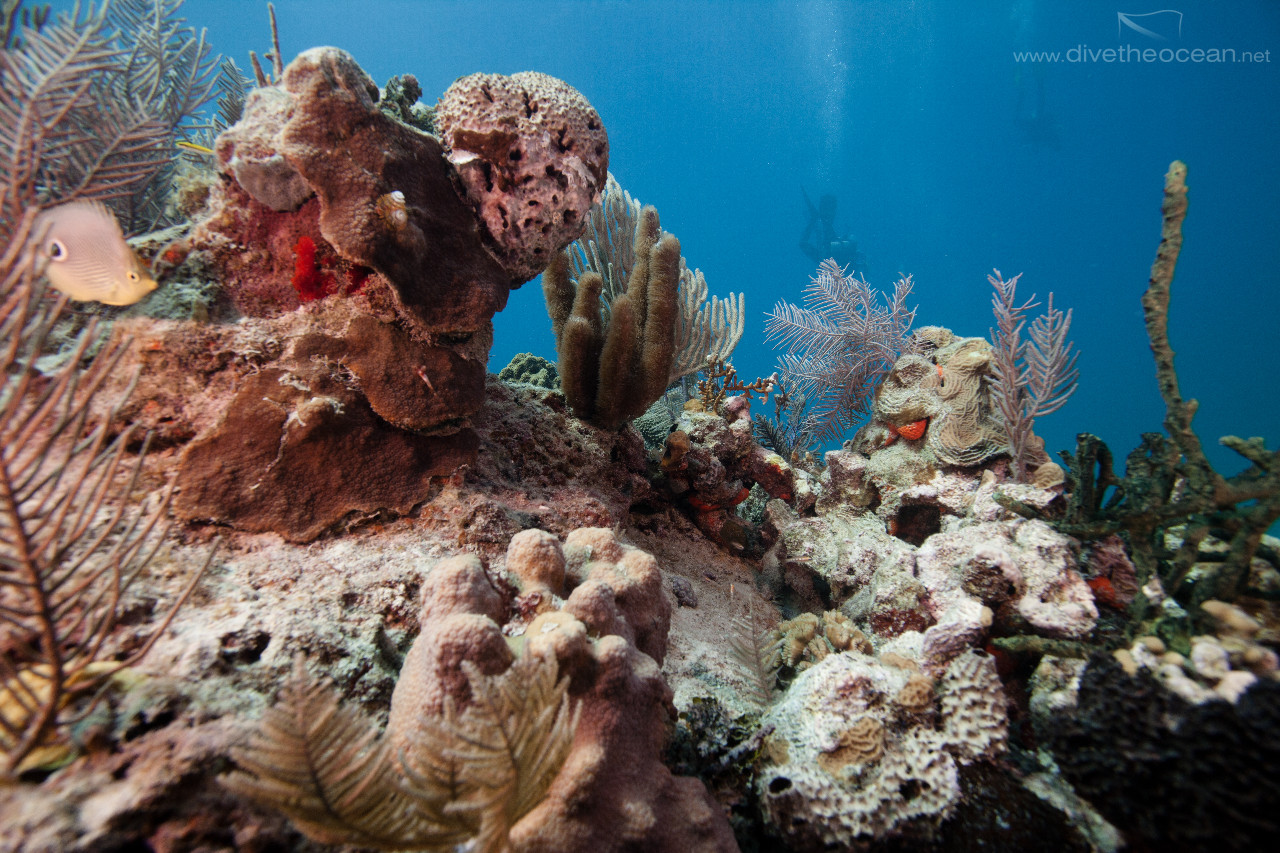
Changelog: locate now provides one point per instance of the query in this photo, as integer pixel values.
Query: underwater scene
(638, 425)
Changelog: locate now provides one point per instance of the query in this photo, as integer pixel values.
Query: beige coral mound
(534, 156)
(849, 762)
(481, 742)
(943, 381)
(614, 794)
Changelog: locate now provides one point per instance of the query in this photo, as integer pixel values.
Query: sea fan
(72, 539)
(841, 345)
(327, 768)
(91, 104)
(1031, 378)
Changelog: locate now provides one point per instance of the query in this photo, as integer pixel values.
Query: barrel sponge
(533, 155)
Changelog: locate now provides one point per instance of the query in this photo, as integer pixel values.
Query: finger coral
(550, 742)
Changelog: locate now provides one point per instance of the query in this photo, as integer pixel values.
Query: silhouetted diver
(820, 240)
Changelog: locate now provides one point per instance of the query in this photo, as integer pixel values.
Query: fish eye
(57, 251)
(133, 276)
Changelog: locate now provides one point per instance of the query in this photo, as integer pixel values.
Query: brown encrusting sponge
(354, 403)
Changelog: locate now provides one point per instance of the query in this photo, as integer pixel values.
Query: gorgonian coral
(841, 345)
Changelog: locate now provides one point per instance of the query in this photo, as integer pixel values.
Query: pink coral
(614, 793)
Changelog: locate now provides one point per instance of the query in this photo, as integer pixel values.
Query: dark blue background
(719, 112)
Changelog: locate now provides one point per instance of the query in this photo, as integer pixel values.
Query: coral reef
(610, 635)
(276, 446)
(1023, 570)
(400, 100)
(350, 603)
(603, 618)
(122, 82)
(62, 577)
(249, 151)
(451, 777)
(531, 618)
(1030, 378)
(334, 109)
(279, 155)
(77, 530)
(808, 638)
(709, 467)
(1169, 482)
(943, 384)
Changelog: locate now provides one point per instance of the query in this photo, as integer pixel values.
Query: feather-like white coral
(840, 346)
(340, 781)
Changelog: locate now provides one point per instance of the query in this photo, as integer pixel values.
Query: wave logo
(1163, 25)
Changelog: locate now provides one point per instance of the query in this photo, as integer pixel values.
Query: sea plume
(341, 781)
(840, 345)
(1033, 377)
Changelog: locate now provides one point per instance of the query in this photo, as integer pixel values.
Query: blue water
(949, 157)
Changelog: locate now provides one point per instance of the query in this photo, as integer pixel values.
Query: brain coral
(533, 155)
(947, 387)
(851, 765)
